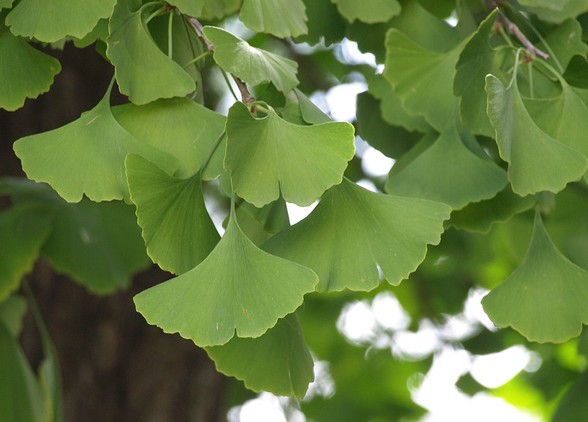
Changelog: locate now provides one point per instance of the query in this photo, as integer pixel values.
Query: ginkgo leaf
(266, 156)
(187, 130)
(353, 233)
(177, 229)
(5, 4)
(565, 41)
(206, 9)
(25, 72)
(143, 72)
(23, 230)
(12, 312)
(237, 288)
(477, 60)
(537, 162)
(481, 216)
(421, 78)
(252, 65)
(97, 244)
(545, 297)
(282, 18)
(86, 157)
(279, 361)
(50, 21)
(556, 11)
(448, 172)
(563, 117)
(369, 11)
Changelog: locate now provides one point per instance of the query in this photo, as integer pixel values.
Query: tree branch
(514, 30)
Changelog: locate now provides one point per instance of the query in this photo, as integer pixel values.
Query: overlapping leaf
(537, 162)
(279, 361)
(564, 42)
(556, 11)
(86, 157)
(176, 227)
(252, 65)
(421, 78)
(25, 72)
(354, 232)
(23, 230)
(187, 130)
(448, 172)
(143, 72)
(369, 11)
(237, 288)
(207, 9)
(477, 60)
(563, 117)
(545, 297)
(50, 21)
(282, 18)
(270, 155)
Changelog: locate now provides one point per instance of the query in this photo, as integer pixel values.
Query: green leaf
(182, 128)
(369, 11)
(266, 156)
(86, 156)
(252, 65)
(556, 12)
(573, 405)
(545, 297)
(99, 245)
(421, 78)
(282, 18)
(237, 287)
(20, 395)
(537, 162)
(143, 72)
(25, 72)
(354, 232)
(12, 312)
(481, 216)
(477, 60)
(324, 23)
(279, 361)
(259, 224)
(565, 41)
(176, 227)
(50, 21)
(392, 110)
(23, 230)
(5, 4)
(448, 172)
(563, 117)
(207, 9)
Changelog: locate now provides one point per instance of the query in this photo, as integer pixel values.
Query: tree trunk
(115, 366)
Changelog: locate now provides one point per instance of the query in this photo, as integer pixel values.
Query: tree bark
(115, 367)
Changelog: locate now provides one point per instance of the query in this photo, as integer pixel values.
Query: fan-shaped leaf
(252, 65)
(86, 156)
(143, 72)
(369, 11)
(187, 130)
(537, 162)
(545, 297)
(207, 9)
(24, 71)
(448, 172)
(354, 232)
(176, 227)
(282, 18)
(237, 287)
(269, 155)
(50, 21)
(279, 361)
(421, 78)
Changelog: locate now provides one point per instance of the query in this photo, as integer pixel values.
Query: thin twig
(514, 30)
(246, 97)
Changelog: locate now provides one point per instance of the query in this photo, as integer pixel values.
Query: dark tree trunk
(115, 367)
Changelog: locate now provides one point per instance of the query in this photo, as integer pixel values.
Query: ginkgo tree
(482, 105)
